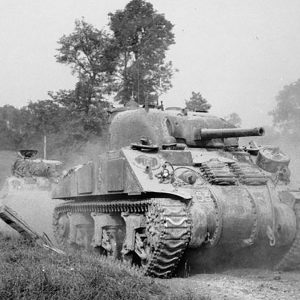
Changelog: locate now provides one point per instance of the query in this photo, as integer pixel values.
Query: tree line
(124, 61)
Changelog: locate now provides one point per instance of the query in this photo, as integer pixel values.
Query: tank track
(174, 228)
(291, 260)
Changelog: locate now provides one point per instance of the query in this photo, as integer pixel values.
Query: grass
(30, 272)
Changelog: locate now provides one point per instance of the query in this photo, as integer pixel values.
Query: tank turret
(161, 127)
(177, 184)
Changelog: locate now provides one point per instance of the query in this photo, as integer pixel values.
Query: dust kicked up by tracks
(248, 284)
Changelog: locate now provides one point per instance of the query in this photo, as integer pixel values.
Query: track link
(174, 230)
(173, 227)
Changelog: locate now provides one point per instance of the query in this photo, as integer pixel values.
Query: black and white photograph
(149, 149)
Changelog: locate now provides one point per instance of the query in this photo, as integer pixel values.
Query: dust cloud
(34, 206)
(293, 151)
(79, 155)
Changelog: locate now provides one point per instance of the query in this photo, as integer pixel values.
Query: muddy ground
(246, 284)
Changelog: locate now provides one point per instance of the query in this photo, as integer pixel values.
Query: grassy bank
(31, 272)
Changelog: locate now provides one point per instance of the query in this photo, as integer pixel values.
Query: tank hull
(228, 208)
(177, 184)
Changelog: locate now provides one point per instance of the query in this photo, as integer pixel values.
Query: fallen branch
(11, 218)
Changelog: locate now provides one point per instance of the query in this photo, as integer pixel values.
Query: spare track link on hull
(291, 260)
(174, 228)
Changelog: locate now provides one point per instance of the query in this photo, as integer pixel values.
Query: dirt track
(245, 284)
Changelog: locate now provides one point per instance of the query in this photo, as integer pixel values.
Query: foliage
(29, 272)
(11, 117)
(66, 127)
(82, 117)
(11, 127)
(286, 115)
(142, 36)
(42, 117)
(234, 119)
(197, 103)
(130, 60)
(89, 53)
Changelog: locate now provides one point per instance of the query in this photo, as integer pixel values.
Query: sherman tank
(176, 188)
(28, 190)
(30, 173)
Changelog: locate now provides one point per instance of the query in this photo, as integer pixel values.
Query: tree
(286, 114)
(234, 119)
(41, 118)
(11, 128)
(11, 116)
(197, 103)
(81, 117)
(90, 54)
(92, 57)
(129, 60)
(141, 36)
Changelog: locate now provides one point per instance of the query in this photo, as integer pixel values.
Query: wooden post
(45, 147)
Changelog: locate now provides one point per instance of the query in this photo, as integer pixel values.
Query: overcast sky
(237, 53)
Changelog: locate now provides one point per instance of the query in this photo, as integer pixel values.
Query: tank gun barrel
(207, 134)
